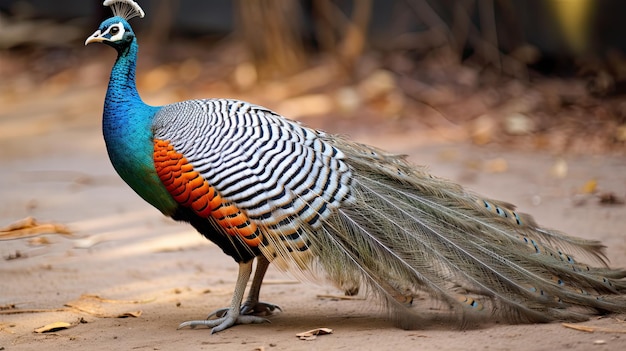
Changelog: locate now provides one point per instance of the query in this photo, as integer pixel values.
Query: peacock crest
(125, 9)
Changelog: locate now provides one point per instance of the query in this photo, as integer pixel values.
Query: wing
(259, 176)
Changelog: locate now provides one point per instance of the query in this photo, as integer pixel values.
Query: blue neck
(127, 129)
(122, 98)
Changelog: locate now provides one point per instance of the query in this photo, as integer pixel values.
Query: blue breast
(127, 129)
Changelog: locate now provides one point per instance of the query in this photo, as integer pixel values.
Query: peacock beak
(96, 37)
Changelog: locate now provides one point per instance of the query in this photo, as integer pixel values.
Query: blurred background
(531, 74)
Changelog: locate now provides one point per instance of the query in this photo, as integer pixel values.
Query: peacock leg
(232, 316)
(252, 305)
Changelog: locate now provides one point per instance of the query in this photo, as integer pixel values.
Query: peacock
(261, 186)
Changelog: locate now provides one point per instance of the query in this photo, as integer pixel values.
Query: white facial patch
(116, 31)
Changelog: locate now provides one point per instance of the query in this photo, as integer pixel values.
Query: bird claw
(257, 308)
(219, 313)
(224, 322)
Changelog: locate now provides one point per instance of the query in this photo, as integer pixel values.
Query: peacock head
(116, 31)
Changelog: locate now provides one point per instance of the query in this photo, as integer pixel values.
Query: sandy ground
(55, 168)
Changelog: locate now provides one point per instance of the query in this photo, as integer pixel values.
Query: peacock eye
(114, 30)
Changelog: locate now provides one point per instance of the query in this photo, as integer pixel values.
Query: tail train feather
(407, 233)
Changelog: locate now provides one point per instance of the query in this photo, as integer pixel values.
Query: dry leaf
(590, 187)
(52, 327)
(129, 314)
(35, 310)
(103, 308)
(313, 333)
(96, 297)
(28, 227)
(579, 327)
(589, 329)
(4, 327)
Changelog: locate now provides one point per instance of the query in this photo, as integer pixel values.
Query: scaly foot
(222, 323)
(257, 308)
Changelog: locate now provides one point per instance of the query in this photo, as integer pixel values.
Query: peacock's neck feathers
(122, 96)
(127, 129)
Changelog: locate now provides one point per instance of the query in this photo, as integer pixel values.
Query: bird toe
(259, 308)
(223, 323)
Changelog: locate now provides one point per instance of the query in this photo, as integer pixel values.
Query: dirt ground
(55, 169)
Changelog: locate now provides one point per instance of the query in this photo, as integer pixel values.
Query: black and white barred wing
(284, 177)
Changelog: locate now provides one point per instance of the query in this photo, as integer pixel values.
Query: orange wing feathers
(189, 189)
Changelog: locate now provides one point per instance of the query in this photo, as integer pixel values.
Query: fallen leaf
(52, 327)
(590, 186)
(134, 314)
(4, 326)
(36, 310)
(579, 327)
(103, 308)
(590, 329)
(313, 333)
(28, 227)
(118, 301)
